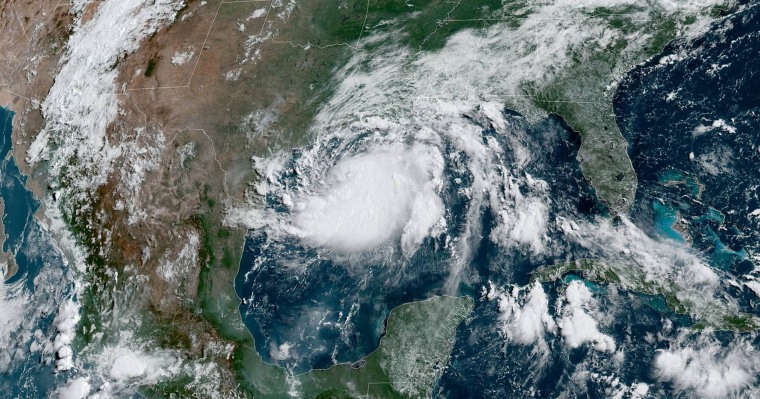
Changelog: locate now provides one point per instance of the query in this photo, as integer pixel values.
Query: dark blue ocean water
(41, 278)
(20, 205)
(668, 112)
(704, 202)
(334, 310)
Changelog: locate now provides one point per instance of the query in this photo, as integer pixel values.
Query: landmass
(706, 311)
(200, 89)
(410, 358)
(8, 266)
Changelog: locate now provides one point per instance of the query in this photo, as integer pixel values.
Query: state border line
(297, 45)
(205, 40)
(125, 92)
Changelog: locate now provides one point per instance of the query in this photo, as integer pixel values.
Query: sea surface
(35, 291)
(692, 122)
(694, 128)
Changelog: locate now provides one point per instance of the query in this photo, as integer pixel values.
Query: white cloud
(258, 13)
(182, 57)
(524, 315)
(65, 322)
(27, 336)
(707, 369)
(127, 366)
(754, 285)
(639, 390)
(720, 123)
(395, 200)
(522, 219)
(83, 101)
(117, 370)
(140, 151)
(577, 324)
(13, 302)
(404, 96)
(642, 263)
(128, 363)
(385, 194)
(173, 268)
(280, 352)
(535, 50)
(637, 259)
(76, 388)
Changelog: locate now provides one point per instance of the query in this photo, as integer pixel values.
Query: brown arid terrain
(140, 150)
(33, 41)
(198, 100)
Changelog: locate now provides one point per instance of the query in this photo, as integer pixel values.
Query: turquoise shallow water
(664, 219)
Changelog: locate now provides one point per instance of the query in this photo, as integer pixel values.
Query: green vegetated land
(318, 34)
(330, 29)
(582, 94)
(579, 95)
(704, 310)
(410, 358)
